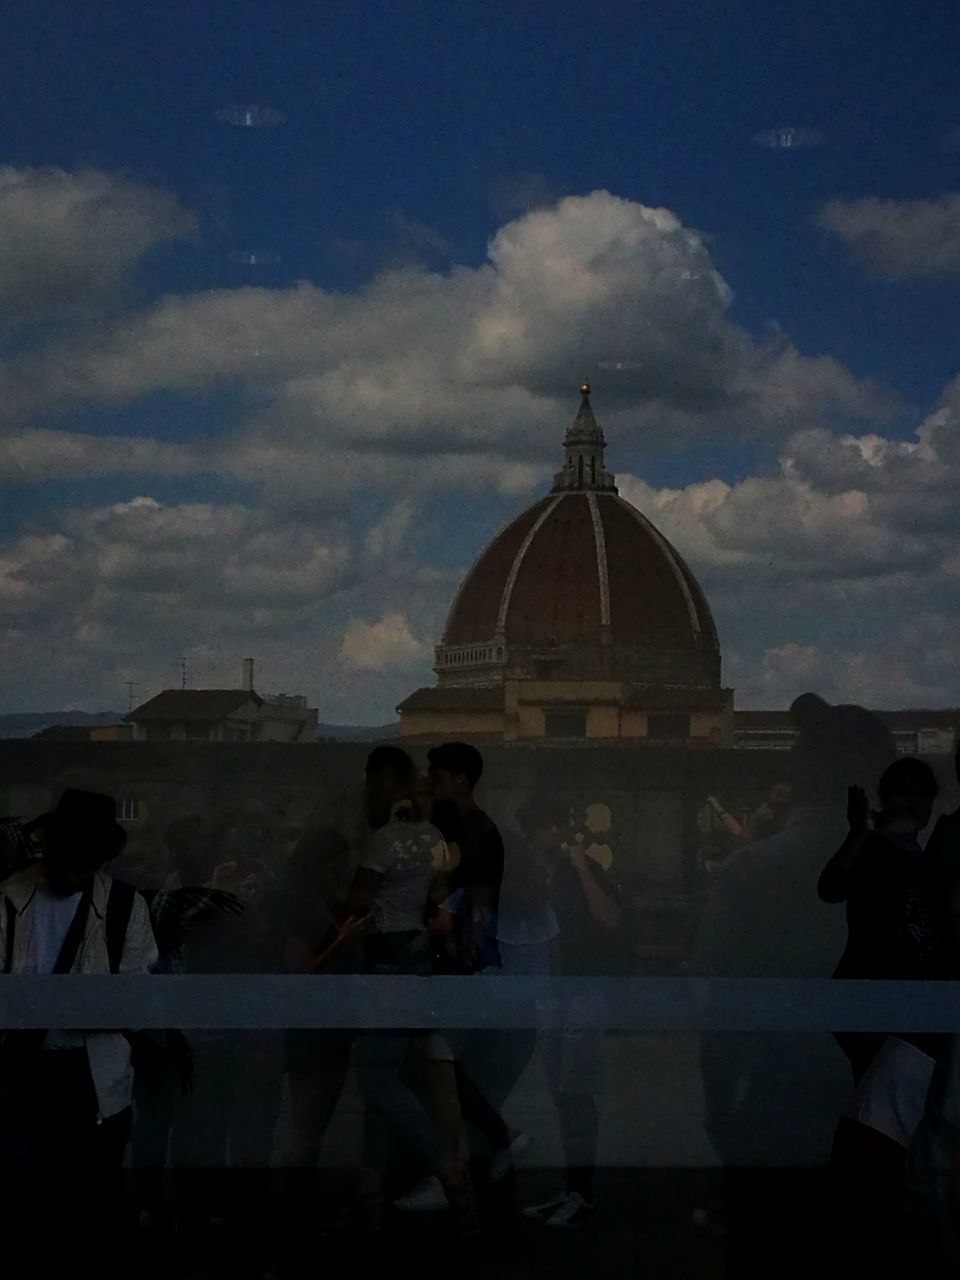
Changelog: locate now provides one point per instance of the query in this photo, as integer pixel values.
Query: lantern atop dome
(583, 447)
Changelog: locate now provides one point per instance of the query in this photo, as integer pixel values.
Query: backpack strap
(119, 909)
(75, 934)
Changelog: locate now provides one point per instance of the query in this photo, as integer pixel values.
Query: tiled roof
(576, 567)
(193, 704)
(462, 698)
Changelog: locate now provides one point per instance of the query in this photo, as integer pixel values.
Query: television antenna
(130, 685)
(183, 673)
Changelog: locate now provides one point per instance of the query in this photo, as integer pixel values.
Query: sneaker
(428, 1196)
(544, 1212)
(574, 1212)
(508, 1158)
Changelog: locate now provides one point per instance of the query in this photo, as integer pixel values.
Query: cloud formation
(420, 363)
(70, 240)
(899, 238)
(839, 571)
(386, 644)
(36, 455)
(424, 384)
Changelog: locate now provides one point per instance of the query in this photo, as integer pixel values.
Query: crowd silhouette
(225, 1133)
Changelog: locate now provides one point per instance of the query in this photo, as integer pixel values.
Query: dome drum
(484, 664)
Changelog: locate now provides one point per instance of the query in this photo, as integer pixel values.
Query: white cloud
(899, 237)
(779, 527)
(122, 591)
(71, 239)
(901, 668)
(132, 582)
(39, 454)
(375, 646)
(426, 383)
(476, 361)
(840, 573)
(387, 538)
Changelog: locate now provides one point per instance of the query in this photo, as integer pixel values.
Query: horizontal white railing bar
(622, 1004)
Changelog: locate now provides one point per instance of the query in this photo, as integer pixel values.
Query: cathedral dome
(580, 586)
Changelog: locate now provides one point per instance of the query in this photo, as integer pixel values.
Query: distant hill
(24, 724)
(358, 733)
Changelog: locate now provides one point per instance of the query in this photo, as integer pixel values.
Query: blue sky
(412, 135)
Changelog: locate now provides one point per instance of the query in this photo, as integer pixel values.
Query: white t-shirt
(52, 917)
(408, 855)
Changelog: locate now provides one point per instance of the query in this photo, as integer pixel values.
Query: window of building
(566, 722)
(128, 809)
(668, 727)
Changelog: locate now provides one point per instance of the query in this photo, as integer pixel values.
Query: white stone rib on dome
(602, 571)
(518, 561)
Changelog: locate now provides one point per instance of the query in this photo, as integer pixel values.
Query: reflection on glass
(253, 257)
(251, 116)
(787, 138)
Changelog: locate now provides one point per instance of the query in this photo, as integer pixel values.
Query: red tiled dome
(583, 583)
(580, 586)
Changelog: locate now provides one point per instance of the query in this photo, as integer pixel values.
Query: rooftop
(193, 704)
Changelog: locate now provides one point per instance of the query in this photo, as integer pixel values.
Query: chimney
(248, 674)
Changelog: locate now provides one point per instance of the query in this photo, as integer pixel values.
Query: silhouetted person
(400, 881)
(66, 1095)
(771, 1098)
(526, 931)
(878, 873)
(772, 815)
(455, 769)
(184, 904)
(317, 1061)
(942, 878)
(588, 905)
(459, 1067)
(224, 1131)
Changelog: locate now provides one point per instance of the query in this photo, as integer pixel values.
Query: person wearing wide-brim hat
(65, 1096)
(78, 836)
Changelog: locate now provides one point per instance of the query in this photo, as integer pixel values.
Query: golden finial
(584, 387)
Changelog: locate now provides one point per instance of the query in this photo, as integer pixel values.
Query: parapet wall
(656, 795)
